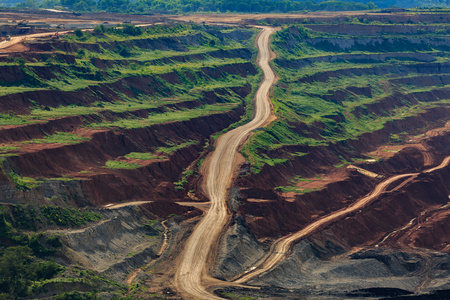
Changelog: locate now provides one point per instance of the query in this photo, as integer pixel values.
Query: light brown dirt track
(192, 269)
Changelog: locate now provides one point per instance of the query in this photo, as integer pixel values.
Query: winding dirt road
(21, 38)
(192, 269)
(280, 249)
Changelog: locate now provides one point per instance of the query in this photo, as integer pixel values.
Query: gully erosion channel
(191, 273)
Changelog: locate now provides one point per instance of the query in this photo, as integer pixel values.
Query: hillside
(111, 116)
(356, 105)
(108, 135)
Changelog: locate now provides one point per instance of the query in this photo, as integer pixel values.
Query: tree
(81, 6)
(14, 272)
(371, 5)
(78, 33)
(29, 4)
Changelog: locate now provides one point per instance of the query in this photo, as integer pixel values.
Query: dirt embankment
(279, 217)
(355, 58)
(361, 29)
(124, 240)
(400, 217)
(383, 106)
(68, 124)
(423, 81)
(39, 56)
(110, 92)
(319, 158)
(421, 68)
(381, 44)
(242, 53)
(94, 184)
(13, 29)
(178, 43)
(381, 17)
(154, 181)
(394, 211)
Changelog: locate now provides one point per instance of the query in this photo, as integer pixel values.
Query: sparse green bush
(68, 216)
(123, 50)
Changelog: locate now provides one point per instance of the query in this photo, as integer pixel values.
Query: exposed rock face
(238, 252)
(310, 270)
(115, 246)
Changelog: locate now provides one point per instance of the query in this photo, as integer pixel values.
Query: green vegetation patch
(6, 150)
(293, 189)
(182, 183)
(18, 269)
(69, 217)
(22, 182)
(59, 138)
(26, 263)
(173, 116)
(323, 102)
(175, 147)
(114, 164)
(12, 119)
(144, 156)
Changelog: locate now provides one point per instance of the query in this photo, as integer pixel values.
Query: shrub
(123, 51)
(131, 30)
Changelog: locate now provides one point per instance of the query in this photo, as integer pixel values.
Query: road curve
(193, 267)
(281, 247)
(21, 38)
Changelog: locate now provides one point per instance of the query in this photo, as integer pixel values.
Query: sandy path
(119, 205)
(193, 265)
(19, 39)
(281, 247)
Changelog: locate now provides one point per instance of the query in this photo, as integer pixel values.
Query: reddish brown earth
(339, 188)
(20, 103)
(154, 181)
(413, 213)
(84, 161)
(423, 199)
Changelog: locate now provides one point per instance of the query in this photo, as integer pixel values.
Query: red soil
(279, 217)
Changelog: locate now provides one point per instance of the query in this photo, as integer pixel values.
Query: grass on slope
(58, 137)
(173, 116)
(310, 113)
(114, 164)
(143, 156)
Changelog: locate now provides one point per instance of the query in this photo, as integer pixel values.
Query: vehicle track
(192, 269)
(280, 249)
(19, 39)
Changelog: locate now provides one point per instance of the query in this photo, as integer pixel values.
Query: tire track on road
(192, 270)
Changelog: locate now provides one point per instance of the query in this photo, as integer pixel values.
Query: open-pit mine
(300, 156)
